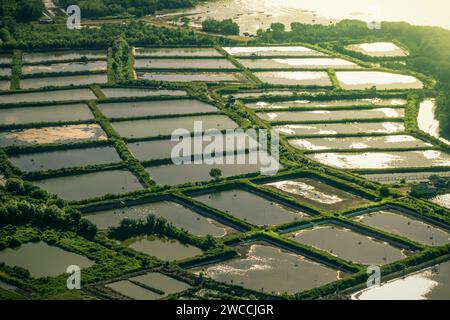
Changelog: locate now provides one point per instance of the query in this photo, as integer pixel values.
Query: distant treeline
(227, 26)
(138, 8)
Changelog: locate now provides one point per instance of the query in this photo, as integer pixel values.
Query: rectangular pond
(149, 286)
(173, 174)
(35, 57)
(47, 135)
(180, 63)
(162, 248)
(42, 260)
(295, 78)
(428, 284)
(54, 160)
(5, 72)
(396, 222)
(155, 108)
(358, 80)
(379, 49)
(349, 245)
(270, 269)
(317, 193)
(331, 115)
(193, 76)
(5, 85)
(165, 126)
(48, 96)
(177, 52)
(295, 51)
(5, 58)
(326, 103)
(64, 67)
(75, 80)
(382, 160)
(180, 216)
(386, 142)
(91, 185)
(340, 128)
(139, 92)
(55, 113)
(302, 63)
(251, 207)
(162, 149)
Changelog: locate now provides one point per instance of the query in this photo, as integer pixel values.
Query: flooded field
(381, 80)
(91, 185)
(193, 76)
(48, 96)
(349, 245)
(155, 108)
(302, 63)
(429, 284)
(184, 173)
(5, 59)
(258, 94)
(157, 127)
(67, 112)
(178, 215)
(60, 134)
(333, 103)
(35, 57)
(164, 249)
(399, 223)
(5, 85)
(340, 128)
(318, 193)
(76, 80)
(177, 52)
(294, 51)
(442, 200)
(5, 72)
(330, 115)
(35, 257)
(138, 92)
(381, 160)
(55, 160)
(162, 149)
(409, 177)
(295, 78)
(387, 142)
(379, 49)
(426, 119)
(251, 207)
(267, 268)
(140, 287)
(64, 67)
(180, 63)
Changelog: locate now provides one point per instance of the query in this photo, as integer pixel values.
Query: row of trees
(227, 26)
(138, 8)
(20, 10)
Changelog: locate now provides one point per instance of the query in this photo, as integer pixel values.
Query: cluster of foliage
(122, 61)
(20, 10)
(227, 26)
(137, 8)
(35, 36)
(18, 211)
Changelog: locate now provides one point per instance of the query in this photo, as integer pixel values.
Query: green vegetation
(125, 8)
(19, 10)
(227, 26)
(122, 61)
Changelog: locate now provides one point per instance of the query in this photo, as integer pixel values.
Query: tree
(215, 173)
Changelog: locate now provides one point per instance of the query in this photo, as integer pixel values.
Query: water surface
(91, 185)
(340, 128)
(180, 63)
(43, 260)
(358, 80)
(48, 96)
(193, 76)
(398, 223)
(379, 49)
(251, 207)
(295, 78)
(178, 215)
(138, 92)
(75, 80)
